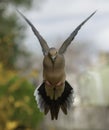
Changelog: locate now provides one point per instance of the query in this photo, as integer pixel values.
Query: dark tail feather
(54, 110)
(45, 104)
(64, 108)
(46, 109)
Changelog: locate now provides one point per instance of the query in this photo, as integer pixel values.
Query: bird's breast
(54, 71)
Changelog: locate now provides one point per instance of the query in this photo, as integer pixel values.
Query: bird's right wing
(43, 43)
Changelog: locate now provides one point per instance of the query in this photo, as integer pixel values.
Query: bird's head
(52, 53)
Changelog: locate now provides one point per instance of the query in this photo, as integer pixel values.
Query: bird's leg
(48, 83)
(59, 88)
(54, 91)
(60, 83)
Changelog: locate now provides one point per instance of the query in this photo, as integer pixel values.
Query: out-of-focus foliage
(22, 2)
(11, 32)
(8, 46)
(17, 104)
(18, 109)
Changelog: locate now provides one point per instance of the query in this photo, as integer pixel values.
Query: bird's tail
(45, 104)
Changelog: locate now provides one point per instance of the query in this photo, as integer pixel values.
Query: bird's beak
(53, 58)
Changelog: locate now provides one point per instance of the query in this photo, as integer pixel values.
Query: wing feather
(43, 43)
(68, 41)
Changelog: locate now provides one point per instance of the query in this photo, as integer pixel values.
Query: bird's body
(54, 76)
(54, 71)
(55, 92)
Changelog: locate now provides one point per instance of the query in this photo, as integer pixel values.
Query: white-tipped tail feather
(39, 99)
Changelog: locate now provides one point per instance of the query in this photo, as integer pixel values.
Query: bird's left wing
(72, 35)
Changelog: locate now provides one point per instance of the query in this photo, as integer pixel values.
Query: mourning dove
(55, 92)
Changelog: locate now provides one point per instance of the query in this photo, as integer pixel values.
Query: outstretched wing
(72, 35)
(43, 43)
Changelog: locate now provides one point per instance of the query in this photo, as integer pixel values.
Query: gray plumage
(43, 43)
(55, 92)
(68, 41)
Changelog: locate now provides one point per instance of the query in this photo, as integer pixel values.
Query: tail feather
(57, 112)
(46, 109)
(64, 108)
(54, 110)
(45, 104)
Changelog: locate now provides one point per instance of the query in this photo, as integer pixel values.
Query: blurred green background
(20, 71)
(18, 109)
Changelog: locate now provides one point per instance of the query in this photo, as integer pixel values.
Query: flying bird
(54, 93)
